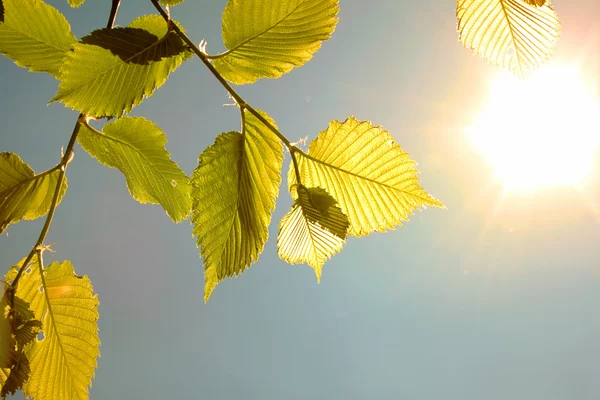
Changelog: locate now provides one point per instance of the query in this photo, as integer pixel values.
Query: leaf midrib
(119, 65)
(362, 177)
(229, 51)
(125, 144)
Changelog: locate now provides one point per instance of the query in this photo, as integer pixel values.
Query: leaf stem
(205, 59)
(238, 99)
(38, 247)
(66, 158)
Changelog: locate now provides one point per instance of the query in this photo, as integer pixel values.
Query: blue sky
(494, 298)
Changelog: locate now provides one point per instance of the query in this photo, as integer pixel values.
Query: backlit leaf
(76, 3)
(63, 361)
(18, 328)
(537, 3)
(171, 2)
(136, 147)
(233, 195)
(374, 181)
(314, 229)
(112, 70)
(16, 376)
(35, 35)
(23, 194)
(7, 340)
(513, 34)
(267, 38)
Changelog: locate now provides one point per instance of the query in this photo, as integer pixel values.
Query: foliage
(353, 180)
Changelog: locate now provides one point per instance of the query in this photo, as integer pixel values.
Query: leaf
(7, 340)
(23, 194)
(76, 3)
(136, 147)
(112, 70)
(35, 35)
(313, 231)
(63, 362)
(171, 2)
(16, 376)
(268, 38)
(18, 328)
(372, 178)
(234, 189)
(510, 33)
(537, 3)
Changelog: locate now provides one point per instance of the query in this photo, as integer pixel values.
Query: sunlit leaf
(171, 2)
(16, 376)
(510, 33)
(313, 231)
(136, 147)
(76, 3)
(233, 195)
(537, 3)
(374, 181)
(268, 38)
(63, 361)
(35, 35)
(7, 340)
(112, 70)
(18, 328)
(23, 194)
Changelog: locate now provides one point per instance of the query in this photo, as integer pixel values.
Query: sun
(540, 132)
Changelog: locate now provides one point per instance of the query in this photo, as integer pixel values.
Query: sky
(494, 298)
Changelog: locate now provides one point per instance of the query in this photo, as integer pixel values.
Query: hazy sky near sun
(495, 298)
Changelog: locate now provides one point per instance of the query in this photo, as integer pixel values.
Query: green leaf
(171, 2)
(35, 35)
(362, 167)
(313, 231)
(63, 362)
(510, 33)
(23, 194)
(234, 190)
(136, 147)
(266, 39)
(112, 70)
(76, 3)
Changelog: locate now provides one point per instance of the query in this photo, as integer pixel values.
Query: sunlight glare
(539, 132)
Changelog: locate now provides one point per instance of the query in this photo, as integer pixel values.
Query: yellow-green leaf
(537, 3)
(513, 34)
(18, 328)
(313, 231)
(63, 361)
(136, 147)
(35, 35)
(374, 181)
(171, 2)
(76, 3)
(15, 377)
(23, 194)
(268, 38)
(7, 340)
(112, 70)
(234, 189)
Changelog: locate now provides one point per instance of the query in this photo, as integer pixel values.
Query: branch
(38, 247)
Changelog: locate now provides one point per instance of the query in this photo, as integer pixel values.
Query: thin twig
(62, 166)
(238, 99)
